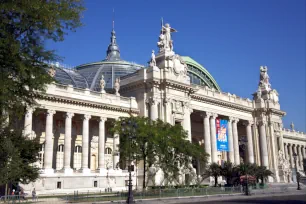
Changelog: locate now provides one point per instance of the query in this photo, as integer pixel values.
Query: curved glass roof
(199, 75)
(89, 75)
(68, 76)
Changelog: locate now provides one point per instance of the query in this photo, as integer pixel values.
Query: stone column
(297, 158)
(48, 155)
(207, 143)
(286, 151)
(153, 109)
(28, 122)
(291, 156)
(168, 112)
(274, 156)
(304, 151)
(236, 142)
(213, 139)
(102, 145)
(300, 157)
(248, 125)
(67, 144)
(187, 120)
(281, 138)
(263, 144)
(115, 150)
(85, 144)
(231, 155)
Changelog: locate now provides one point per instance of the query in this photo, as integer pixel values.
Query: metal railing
(118, 196)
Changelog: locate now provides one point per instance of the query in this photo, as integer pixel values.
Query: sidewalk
(220, 197)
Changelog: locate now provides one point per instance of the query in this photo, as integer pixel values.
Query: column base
(68, 171)
(86, 171)
(49, 171)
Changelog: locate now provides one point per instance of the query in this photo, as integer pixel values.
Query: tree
(214, 170)
(25, 26)
(229, 171)
(262, 173)
(159, 145)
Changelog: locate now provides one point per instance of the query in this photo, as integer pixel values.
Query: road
(292, 199)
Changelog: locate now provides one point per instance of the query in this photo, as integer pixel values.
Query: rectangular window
(59, 185)
(95, 184)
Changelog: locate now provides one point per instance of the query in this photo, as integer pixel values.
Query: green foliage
(25, 26)
(229, 171)
(213, 170)
(160, 146)
(17, 155)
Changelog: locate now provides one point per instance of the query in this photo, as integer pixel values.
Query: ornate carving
(167, 100)
(94, 142)
(117, 86)
(102, 119)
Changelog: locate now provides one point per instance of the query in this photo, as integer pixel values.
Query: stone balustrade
(86, 95)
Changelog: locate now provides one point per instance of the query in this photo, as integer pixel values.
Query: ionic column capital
(206, 114)
(69, 115)
(214, 116)
(86, 117)
(235, 120)
(30, 110)
(51, 112)
(102, 119)
(231, 119)
(248, 123)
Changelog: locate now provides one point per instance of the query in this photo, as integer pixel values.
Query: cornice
(218, 102)
(90, 104)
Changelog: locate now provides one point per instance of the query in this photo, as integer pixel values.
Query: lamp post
(296, 170)
(129, 129)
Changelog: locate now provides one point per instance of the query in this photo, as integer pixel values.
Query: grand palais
(73, 119)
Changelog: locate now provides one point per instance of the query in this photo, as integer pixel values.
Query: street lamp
(129, 129)
(296, 170)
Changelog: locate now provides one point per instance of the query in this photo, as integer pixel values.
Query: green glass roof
(199, 71)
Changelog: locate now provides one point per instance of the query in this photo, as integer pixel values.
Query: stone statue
(117, 86)
(102, 84)
(292, 126)
(52, 71)
(165, 42)
(264, 79)
(153, 61)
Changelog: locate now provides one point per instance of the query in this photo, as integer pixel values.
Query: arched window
(78, 149)
(77, 157)
(108, 150)
(60, 148)
(41, 155)
(60, 157)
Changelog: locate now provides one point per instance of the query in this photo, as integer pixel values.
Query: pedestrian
(34, 198)
(13, 192)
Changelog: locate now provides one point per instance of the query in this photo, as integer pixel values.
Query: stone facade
(79, 153)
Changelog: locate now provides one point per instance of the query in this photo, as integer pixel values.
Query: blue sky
(230, 38)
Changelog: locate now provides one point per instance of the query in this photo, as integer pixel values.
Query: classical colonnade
(209, 123)
(299, 150)
(48, 150)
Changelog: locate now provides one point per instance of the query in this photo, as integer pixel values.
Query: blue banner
(222, 135)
